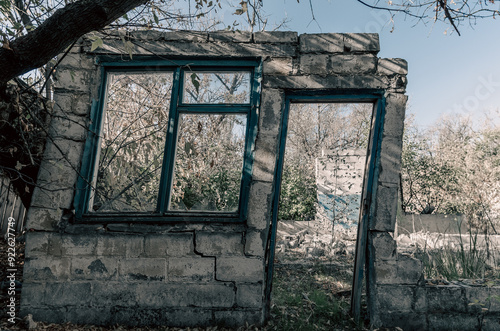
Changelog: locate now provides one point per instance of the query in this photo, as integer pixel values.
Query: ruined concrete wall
(201, 273)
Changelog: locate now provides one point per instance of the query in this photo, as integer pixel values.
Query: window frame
(86, 180)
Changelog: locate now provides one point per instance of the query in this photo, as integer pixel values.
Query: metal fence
(10, 206)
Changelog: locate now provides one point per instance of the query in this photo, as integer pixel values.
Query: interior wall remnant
(182, 269)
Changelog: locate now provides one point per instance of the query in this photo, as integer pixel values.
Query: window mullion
(169, 152)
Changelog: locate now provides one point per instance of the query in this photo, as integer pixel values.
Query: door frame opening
(377, 99)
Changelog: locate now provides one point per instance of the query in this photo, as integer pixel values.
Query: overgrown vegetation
(461, 257)
(312, 297)
(298, 199)
(454, 168)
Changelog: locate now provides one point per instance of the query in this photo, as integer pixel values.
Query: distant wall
(436, 223)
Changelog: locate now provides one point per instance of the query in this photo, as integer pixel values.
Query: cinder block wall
(188, 274)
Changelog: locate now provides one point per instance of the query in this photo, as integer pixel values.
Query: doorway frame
(377, 99)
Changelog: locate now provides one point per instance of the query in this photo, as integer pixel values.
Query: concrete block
(322, 82)
(46, 269)
(93, 268)
(43, 219)
(68, 294)
(321, 43)
(409, 270)
(406, 321)
(490, 323)
(239, 269)
(395, 298)
(230, 36)
(145, 269)
(386, 204)
(48, 198)
(163, 295)
(249, 295)
(111, 246)
(50, 315)
(37, 244)
(395, 115)
(194, 269)
(398, 84)
(453, 322)
(270, 111)
(32, 294)
(77, 80)
(494, 299)
(147, 35)
(420, 305)
(134, 246)
(361, 42)
(55, 175)
(275, 37)
(266, 148)
(89, 315)
(446, 299)
(113, 293)
(69, 126)
(55, 245)
(172, 244)
(70, 103)
(383, 245)
(390, 161)
(315, 64)
(139, 317)
(385, 272)
(389, 67)
(254, 243)
(259, 205)
(61, 151)
(217, 49)
(189, 36)
(76, 61)
(78, 245)
(477, 298)
(236, 318)
(278, 66)
(349, 64)
(216, 244)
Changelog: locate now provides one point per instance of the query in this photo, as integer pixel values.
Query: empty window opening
(208, 162)
(321, 189)
(135, 122)
(174, 141)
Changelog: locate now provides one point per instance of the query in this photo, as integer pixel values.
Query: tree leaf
(96, 43)
(196, 82)
(243, 9)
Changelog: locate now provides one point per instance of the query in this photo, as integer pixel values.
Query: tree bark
(66, 25)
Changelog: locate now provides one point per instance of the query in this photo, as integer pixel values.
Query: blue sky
(448, 74)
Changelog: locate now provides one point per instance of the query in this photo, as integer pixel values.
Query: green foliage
(450, 263)
(298, 199)
(307, 298)
(451, 168)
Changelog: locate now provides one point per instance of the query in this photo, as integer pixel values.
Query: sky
(448, 75)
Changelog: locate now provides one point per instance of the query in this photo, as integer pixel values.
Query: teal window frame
(109, 64)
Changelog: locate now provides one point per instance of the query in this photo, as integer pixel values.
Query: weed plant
(465, 261)
(311, 298)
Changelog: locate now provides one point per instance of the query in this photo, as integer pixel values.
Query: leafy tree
(453, 167)
(318, 136)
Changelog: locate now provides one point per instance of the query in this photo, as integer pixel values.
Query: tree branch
(66, 25)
